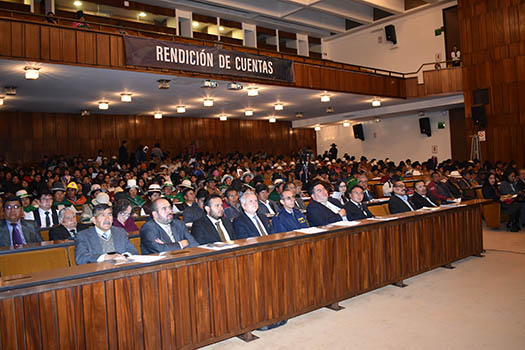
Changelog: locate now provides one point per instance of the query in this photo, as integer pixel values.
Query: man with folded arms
(14, 230)
(399, 201)
(355, 208)
(164, 233)
(289, 218)
(102, 242)
(421, 198)
(213, 227)
(323, 210)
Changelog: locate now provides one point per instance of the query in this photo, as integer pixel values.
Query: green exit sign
(437, 32)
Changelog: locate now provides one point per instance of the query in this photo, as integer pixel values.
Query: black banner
(166, 54)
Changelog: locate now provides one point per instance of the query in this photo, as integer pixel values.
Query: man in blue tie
(14, 230)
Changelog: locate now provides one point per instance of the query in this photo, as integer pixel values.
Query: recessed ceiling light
(84, 113)
(195, 24)
(234, 86)
(272, 120)
(181, 109)
(378, 120)
(248, 112)
(317, 128)
(221, 28)
(10, 90)
(103, 105)
(330, 109)
(157, 115)
(209, 84)
(376, 102)
(77, 3)
(298, 114)
(125, 97)
(325, 98)
(346, 124)
(32, 73)
(223, 118)
(142, 14)
(207, 102)
(253, 91)
(163, 84)
(1, 101)
(278, 106)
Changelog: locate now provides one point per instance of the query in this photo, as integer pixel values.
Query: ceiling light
(195, 24)
(84, 113)
(221, 28)
(77, 3)
(234, 86)
(125, 97)
(299, 115)
(212, 84)
(1, 101)
(157, 115)
(346, 124)
(10, 90)
(317, 128)
(253, 91)
(325, 98)
(163, 84)
(32, 73)
(223, 118)
(181, 109)
(378, 120)
(329, 109)
(272, 120)
(248, 112)
(376, 102)
(207, 102)
(278, 106)
(103, 105)
(142, 14)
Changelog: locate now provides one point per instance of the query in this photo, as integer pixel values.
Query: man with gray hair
(249, 223)
(68, 227)
(362, 181)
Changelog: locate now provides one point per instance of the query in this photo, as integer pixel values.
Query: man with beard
(213, 227)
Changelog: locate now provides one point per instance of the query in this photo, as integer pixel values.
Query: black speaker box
(478, 115)
(358, 132)
(481, 97)
(424, 126)
(390, 32)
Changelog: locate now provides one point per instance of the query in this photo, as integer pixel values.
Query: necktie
(73, 232)
(105, 235)
(220, 231)
(17, 236)
(362, 209)
(48, 219)
(259, 226)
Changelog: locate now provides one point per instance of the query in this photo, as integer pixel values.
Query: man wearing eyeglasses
(399, 201)
(15, 231)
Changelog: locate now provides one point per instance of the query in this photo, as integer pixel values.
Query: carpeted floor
(478, 305)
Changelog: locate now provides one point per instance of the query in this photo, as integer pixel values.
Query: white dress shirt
(224, 231)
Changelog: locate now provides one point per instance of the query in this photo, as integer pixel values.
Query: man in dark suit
(322, 210)
(213, 227)
(249, 223)
(355, 208)
(363, 182)
(102, 242)
(46, 216)
(399, 201)
(164, 233)
(14, 230)
(421, 197)
(266, 206)
(232, 207)
(68, 227)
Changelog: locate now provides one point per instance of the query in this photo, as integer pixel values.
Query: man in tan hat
(154, 193)
(26, 200)
(87, 209)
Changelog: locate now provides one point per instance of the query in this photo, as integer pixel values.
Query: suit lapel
(95, 240)
(4, 234)
(26, 231)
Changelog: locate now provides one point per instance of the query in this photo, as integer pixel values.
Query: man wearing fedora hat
(59, 195)
(87, 209)
(179, 197)
(132, 194)
(154, 193)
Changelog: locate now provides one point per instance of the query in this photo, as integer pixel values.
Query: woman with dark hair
(508, 204)
(341, 193)
(122, 216)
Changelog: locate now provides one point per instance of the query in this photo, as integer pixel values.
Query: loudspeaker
(481, 97)
(390, 32)
(424, 126)
(478, 115)
(358, 132)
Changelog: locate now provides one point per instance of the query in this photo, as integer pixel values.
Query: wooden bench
(379, 210)
(491, 212)
(25, 262)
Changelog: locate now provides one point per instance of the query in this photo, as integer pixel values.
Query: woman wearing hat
(132, 195)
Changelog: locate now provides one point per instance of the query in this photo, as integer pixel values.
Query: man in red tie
(14, 230)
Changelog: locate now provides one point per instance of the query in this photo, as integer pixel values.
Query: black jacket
(354, 213)
(204, 231)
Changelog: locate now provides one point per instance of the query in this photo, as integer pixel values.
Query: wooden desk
(196, 297)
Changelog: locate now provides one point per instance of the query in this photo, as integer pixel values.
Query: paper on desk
(344, 223)
(382, 218)
(219, 246)
(311, 230)
(145, 258)
(429, 208)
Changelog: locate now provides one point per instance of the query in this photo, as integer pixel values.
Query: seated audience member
(296, 188)
(102, 242)
(59, 195)
(509, 188)
(340, 194)
(421, 198)
(154, 193)
(46, 215)
(266, 206)
(164, 233)
(14, 230)
(289, 218)
(388, 185)
(399, 201)
(232, 205)
(453, 184)
(249, 223)
(167, 191)
(508, 206)
(193, 211)
(278, 187)
(213, 227)
(133, 194)
(122, 217)
(68, 227)
(71, 195)
(51, 18)
(520, 186)
(363, 182)
(438, 189)
(211, 186)
(26, 201)
(87, 209)
(355, 208)
(323, 210)
(81, 23)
